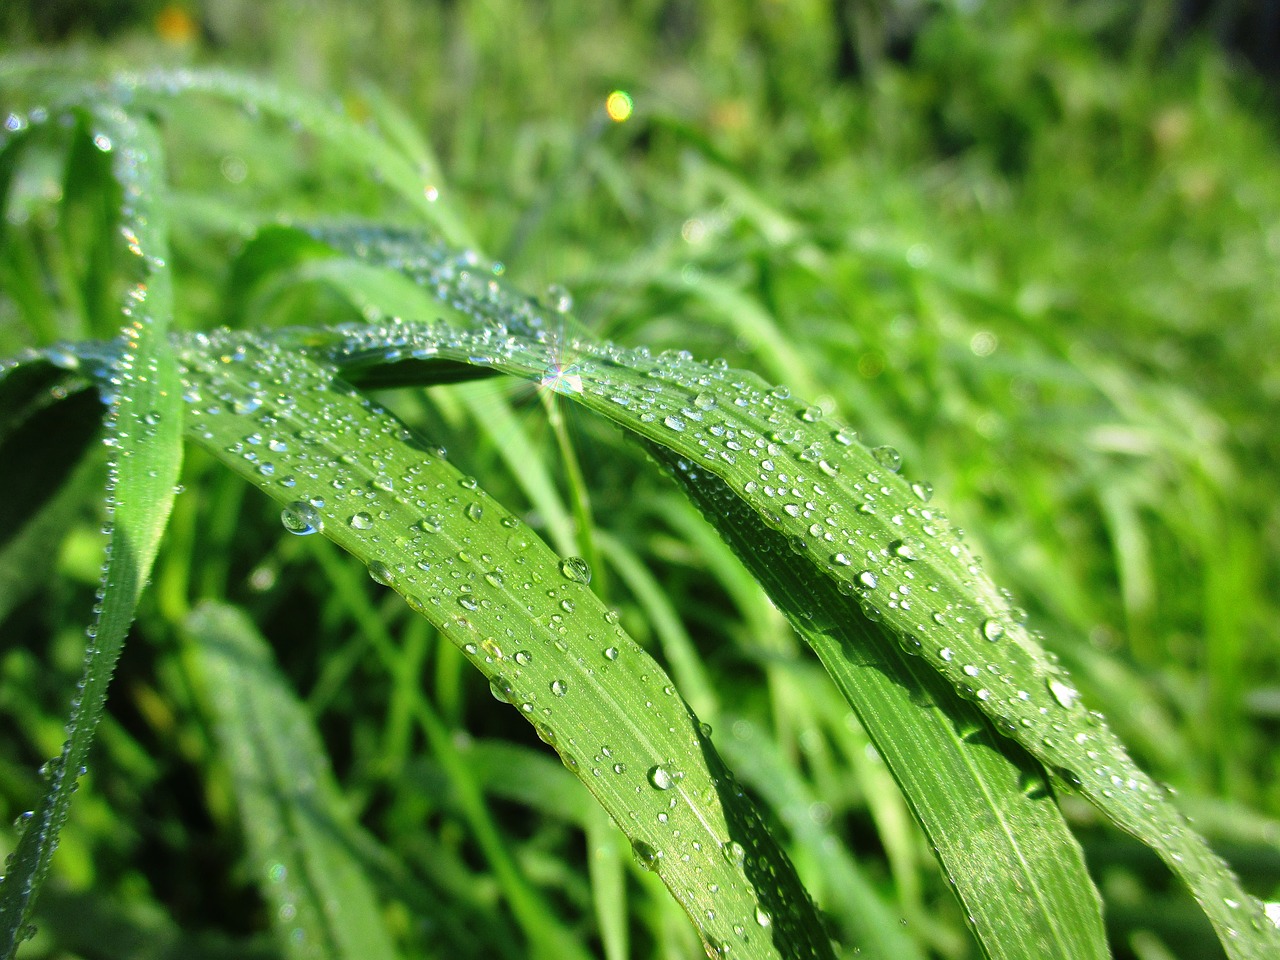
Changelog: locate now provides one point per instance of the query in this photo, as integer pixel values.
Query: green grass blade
(412, 176)
(144, 433)
(984, 804)
(524, 617)
(844, 510)
(297, 828)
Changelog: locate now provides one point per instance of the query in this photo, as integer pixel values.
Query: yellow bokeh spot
(618, 106)
(175, 25)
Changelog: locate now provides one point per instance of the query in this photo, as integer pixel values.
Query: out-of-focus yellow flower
(176, 26)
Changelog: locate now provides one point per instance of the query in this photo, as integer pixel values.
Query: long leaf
(342, 466)
(144, 434)
(299, 833)
(844, 510)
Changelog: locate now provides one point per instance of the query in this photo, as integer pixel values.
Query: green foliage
(1016, 278)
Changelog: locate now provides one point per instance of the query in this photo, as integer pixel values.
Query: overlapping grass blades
(144, 434)
(845, 513)
(938, 664)
(342, 466)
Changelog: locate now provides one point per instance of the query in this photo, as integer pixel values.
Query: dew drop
(301, 518)
(675, 423)
(663, 776)
(361, 521)
(992, 629)
(734, 853)
(381, 573)
(474, 511)
(645, 855)
(908, 548)
(611, 653)
(575, 569)
(922, 489)
(1066, 695)
(559, 687)
(887, 457)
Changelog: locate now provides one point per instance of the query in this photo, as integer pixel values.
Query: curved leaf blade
(342, 466)
(846, 510)
(144, 435)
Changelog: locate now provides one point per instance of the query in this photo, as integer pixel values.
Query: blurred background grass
(1036, 246)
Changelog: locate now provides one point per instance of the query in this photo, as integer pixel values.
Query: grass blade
(524, 617)
(144, 433)
(846, 513)
(297, 829)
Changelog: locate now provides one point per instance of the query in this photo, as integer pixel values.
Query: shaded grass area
(1037, 252)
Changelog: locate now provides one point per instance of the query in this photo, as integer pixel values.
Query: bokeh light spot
(618, 106)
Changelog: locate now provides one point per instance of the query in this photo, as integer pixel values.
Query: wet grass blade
(298, 831)
(526, 618)
(144, 435)
(844, 512)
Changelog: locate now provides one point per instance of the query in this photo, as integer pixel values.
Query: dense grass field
(1029, 252)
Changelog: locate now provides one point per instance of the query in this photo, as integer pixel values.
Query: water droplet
(922, 489)
(559, 687)
(611, 653)
(811, 414)
(992, 629)
(704, 401)
(664, 776)
(1066, 695)
(675, 423)
(301, 518)
(361, 521)
(382, 573)
(887, 457)
(474, 511)
(908, 548)
(575, 569)
(500, 688)
(734, 853)
(844, 436)
(868, 580)
(645, 855)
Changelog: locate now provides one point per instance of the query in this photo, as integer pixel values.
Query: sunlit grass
(1058, 307)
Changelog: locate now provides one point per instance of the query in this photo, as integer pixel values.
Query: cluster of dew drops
(354, 503)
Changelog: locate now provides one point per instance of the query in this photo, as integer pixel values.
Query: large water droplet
(559, 687)
(301, 518)
(575, 569)
(361, 521)
(645, 855)
(992, 629)
(664, 776)
(382, 573)
(1066, 695)
(734, 853)
(887, 457)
